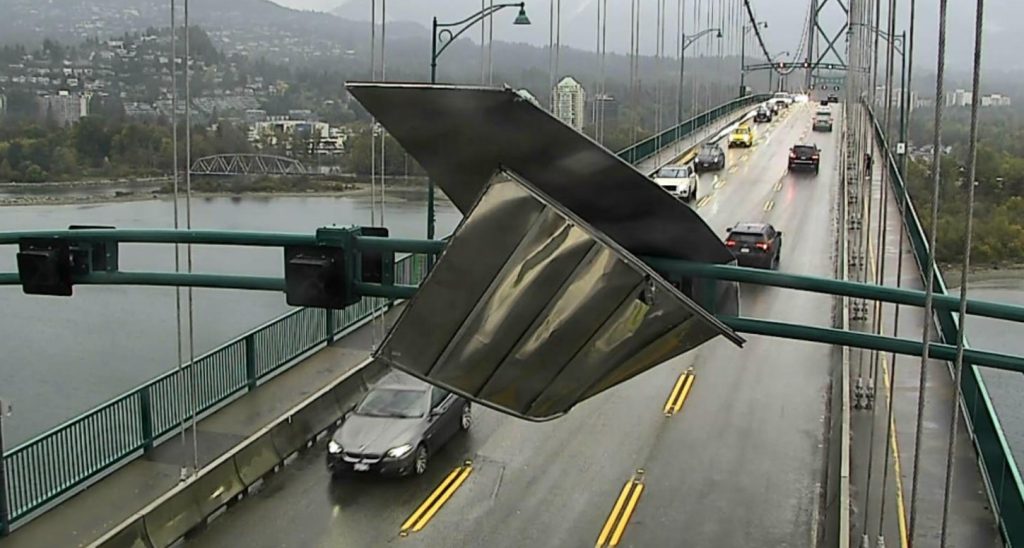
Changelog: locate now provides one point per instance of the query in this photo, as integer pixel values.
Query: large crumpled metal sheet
(463, 135)
(530, 310)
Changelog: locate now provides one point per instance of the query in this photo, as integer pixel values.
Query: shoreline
(123, 192)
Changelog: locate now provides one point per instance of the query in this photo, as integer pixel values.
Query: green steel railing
(655, 143)
(1002, 477)
(64, 459)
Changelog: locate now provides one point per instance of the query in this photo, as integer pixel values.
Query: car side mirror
(435, 412)
(778, 233)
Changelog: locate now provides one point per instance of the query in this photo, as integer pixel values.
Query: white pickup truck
(679, 181)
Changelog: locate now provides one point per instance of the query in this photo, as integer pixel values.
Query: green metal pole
(430, 181)
(5, 509)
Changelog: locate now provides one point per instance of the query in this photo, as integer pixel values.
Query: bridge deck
(740, 465)
(91, 513)
(972, 521)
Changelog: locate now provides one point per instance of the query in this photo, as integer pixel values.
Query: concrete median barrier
(188, 505)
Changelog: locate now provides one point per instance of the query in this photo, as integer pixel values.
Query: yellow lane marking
(624, 507)
(703, 201)
(901, 509)
(745, 157)
(679, 393)
(719, 183)
(733, 169)
(769, 205)
(688, 156)
(778, 185)
(426, 511)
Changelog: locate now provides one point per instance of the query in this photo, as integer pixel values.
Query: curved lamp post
(443, 34)
(743, 52)
(687, 41)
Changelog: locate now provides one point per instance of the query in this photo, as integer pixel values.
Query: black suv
(710, 157)
(763, 115)
(804, 156)
(755, 244)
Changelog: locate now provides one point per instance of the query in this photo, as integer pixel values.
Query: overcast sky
(786, 20)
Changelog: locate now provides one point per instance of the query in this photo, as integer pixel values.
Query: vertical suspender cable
(930, 289)
(558, 33)
(604, 52)
(490, 45)
(903, 200)
(182, 410)
(551, 54)
(383, 77)
(597, 79)
(483, 45)
(680, 19)
(373, 121)
(188, 247)
(961, 338)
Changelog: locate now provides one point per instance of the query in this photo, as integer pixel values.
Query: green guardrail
(67, 457)
(1002, 477)
(655, 143)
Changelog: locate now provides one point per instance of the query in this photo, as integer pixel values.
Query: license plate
(744, 250)
(360, 467)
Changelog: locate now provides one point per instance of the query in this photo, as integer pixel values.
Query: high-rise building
(570, 102)
(64, 108)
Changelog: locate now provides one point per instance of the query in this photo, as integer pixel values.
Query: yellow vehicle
(742, 136)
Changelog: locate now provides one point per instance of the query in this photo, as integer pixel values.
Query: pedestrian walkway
(892, 455)
(89, 514)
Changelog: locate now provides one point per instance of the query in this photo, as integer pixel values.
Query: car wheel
(421, 460)
(775, 263)
(466, 418)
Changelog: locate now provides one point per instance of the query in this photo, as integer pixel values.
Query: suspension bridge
(711, 423)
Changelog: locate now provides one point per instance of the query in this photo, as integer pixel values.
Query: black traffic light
(92, 256)
(377, 265)
(44, 266)
(318, 276)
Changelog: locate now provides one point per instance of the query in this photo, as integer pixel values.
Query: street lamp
(898, 45)
(771, 72)
(743, 51)
(686, 42)
(442, 34)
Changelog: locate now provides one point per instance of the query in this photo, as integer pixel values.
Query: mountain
(29, 21)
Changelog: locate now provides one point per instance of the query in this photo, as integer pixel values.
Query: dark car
(755, 244)
(775, 107)
(833, 98)
(710, 157)
(825, 102)
(804, 156)
(763, 115)
(395, 428)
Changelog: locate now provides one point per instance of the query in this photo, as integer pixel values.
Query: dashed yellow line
(719, 184)
(703, 201)
(733, 169)
(778, 185)
(769, 205)
(625, 505)
(901, 509)
(679, 392)
(426, 511)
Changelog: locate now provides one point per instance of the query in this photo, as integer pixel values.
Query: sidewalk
(89, 514)
(972, 522)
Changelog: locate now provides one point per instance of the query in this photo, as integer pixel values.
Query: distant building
(254, 115)
(302, 114)
(958, 98)
(570, 102)
(64, 108)
(995, 100)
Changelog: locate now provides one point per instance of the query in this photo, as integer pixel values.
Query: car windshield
(393, 402)
(709, 150)
(672, 172)
(804, 149)
(742, 131)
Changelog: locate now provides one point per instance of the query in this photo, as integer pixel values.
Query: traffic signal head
(44, 266)
(318, 276)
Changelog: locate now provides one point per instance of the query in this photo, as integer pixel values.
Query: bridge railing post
(5, 514)
(329, 323)
(250, 362)
(146, 419)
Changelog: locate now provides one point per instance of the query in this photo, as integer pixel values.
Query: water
(62, 356)
(1005, 387)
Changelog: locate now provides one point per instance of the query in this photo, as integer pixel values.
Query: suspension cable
(930, 289)
(904, 200)
(182, 411)
(188, 247)
(604, 51)
(961, 338)
(490, 44)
